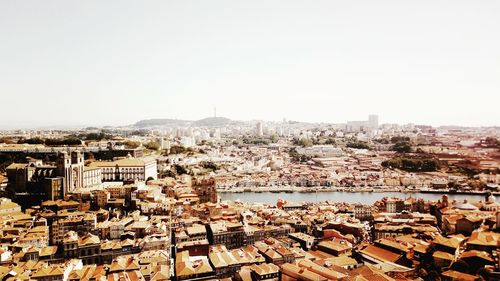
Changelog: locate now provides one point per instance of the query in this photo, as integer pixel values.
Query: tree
(177, 149)
(330, 140)
(131, 144)
(180, 170)
(397, 139)
(209, 165)
(274, 137)
(35, 140)
(412, 165)
(492, 141)
(66, 141)
(169, 174)
(402, 147)
(382, 141)
(7, 140)
(358, 145)
(97, 136)
(152, 145)
(305, 142)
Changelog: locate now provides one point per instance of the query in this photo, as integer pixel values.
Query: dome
(491, 199)
(465, 206)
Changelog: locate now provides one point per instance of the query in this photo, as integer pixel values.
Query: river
(337, 196)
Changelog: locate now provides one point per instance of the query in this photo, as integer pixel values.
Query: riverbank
(299, 189)
(367, 198)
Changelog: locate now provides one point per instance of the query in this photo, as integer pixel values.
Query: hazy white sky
(115, 62)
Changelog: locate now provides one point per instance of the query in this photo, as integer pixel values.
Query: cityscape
(220, 199)
(278, 140)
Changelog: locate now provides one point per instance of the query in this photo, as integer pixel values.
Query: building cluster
(101, 211)
(172, 229)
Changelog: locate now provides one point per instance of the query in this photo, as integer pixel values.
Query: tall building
(259, 130)
(70, 166)
(373, 121)
(359, 126)
(206, 190)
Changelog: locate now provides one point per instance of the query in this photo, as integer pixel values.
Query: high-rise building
(373, 121)
(259, 129)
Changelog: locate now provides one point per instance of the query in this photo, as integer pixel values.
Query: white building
(128, 169)
(259, 130)
(8, 207)
(373, 121)
(92, 176)
(320, 151)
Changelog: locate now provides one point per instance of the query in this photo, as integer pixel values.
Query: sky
(72, 63)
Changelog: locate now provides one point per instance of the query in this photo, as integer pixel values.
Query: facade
(363, 212)
(70, 167)
(127, 169)
(306, 241)
(87, 248)
(229, 234)
(92, 176)
(393, 230)
(205, 189)
(54, 188)
(81, 225)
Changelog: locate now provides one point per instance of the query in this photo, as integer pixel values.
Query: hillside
(206, 122)
(161, 122)
(212, 122)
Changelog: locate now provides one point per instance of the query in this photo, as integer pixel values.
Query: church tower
(64, 169)
(76, 170)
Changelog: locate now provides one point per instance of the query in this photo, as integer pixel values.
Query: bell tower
(64, 169)
(76, 170)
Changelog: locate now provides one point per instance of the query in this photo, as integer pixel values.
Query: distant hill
(206, 122)
(161, 122)
(212, 122)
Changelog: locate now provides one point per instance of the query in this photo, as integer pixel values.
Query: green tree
(209, 165)
(412, 165)
(305, 142)
(330, 140)
(35, 140)
(152, 145)
(180, 170)
(274, 137)
(131, 144)
(358, 145)
(402, 147)
(397, 139)
(177, 149)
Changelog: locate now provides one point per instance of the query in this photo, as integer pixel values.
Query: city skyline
(256, 121)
